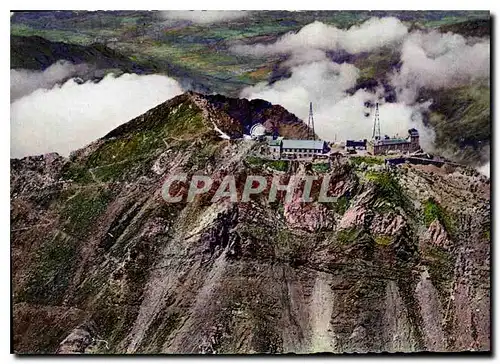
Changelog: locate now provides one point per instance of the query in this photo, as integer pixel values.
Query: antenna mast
(376, 124)
(310, 123)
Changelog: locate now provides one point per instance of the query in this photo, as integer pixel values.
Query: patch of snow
(221, 133)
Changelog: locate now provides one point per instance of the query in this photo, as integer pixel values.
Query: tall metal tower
(310, 123)
(376, 124)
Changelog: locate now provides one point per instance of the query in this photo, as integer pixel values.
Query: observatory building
(257, 131)
(403, 145)
(297, 149)
(385, 145)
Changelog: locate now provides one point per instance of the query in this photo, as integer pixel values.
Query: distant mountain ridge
(37, 53)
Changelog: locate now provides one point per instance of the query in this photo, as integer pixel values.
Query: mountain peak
(232, 116)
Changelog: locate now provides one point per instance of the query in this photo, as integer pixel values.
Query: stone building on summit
(395, 145)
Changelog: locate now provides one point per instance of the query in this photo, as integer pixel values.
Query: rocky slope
(101, 263)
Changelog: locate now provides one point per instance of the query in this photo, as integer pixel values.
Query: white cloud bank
(204, 16)
(435, 60)
(372, 34)
(23, 82)
(337, 114)
(69, 116)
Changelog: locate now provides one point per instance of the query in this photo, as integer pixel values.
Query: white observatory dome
(257, 130)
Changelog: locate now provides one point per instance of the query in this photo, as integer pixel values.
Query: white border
(256, 5)
(212, 5)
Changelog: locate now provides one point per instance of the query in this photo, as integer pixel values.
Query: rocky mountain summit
(398, 262)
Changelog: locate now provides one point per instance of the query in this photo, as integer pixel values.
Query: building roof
(275, 142)
(393, 141)
(302, 144)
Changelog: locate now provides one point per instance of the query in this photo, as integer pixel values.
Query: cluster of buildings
(296, 149)
(386, 145)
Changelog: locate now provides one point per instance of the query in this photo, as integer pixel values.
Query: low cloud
(71, 115)
(372, 34)
(435, 60)
(320, 82)
(23, 82)
(204, 16)
(337, 114)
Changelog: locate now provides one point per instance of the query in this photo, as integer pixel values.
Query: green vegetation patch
(487, 231)
(77, 172)
(340, 205)
(465, 108)
(383, 240)
(112, 160)
(112, 319)
(277, 165)
(113, 172)
(286, 244)
(441, 265)
(83, 209)
(348, 236)
(120, 170)
(255, 161)
(52, 34)
(118, 302)
(159, 331)
(185, 121)
(89, 288)
(291, 247)
(487, 235)
(321, 167)
(388, 191)
(433, 210)
(257, 231)
(182, 122)
(207, 153)
(367, 73)
(51, 274)
(367, 160)
(126, 148)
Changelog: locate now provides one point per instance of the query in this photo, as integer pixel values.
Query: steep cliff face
(399, 261)
(249, 112)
